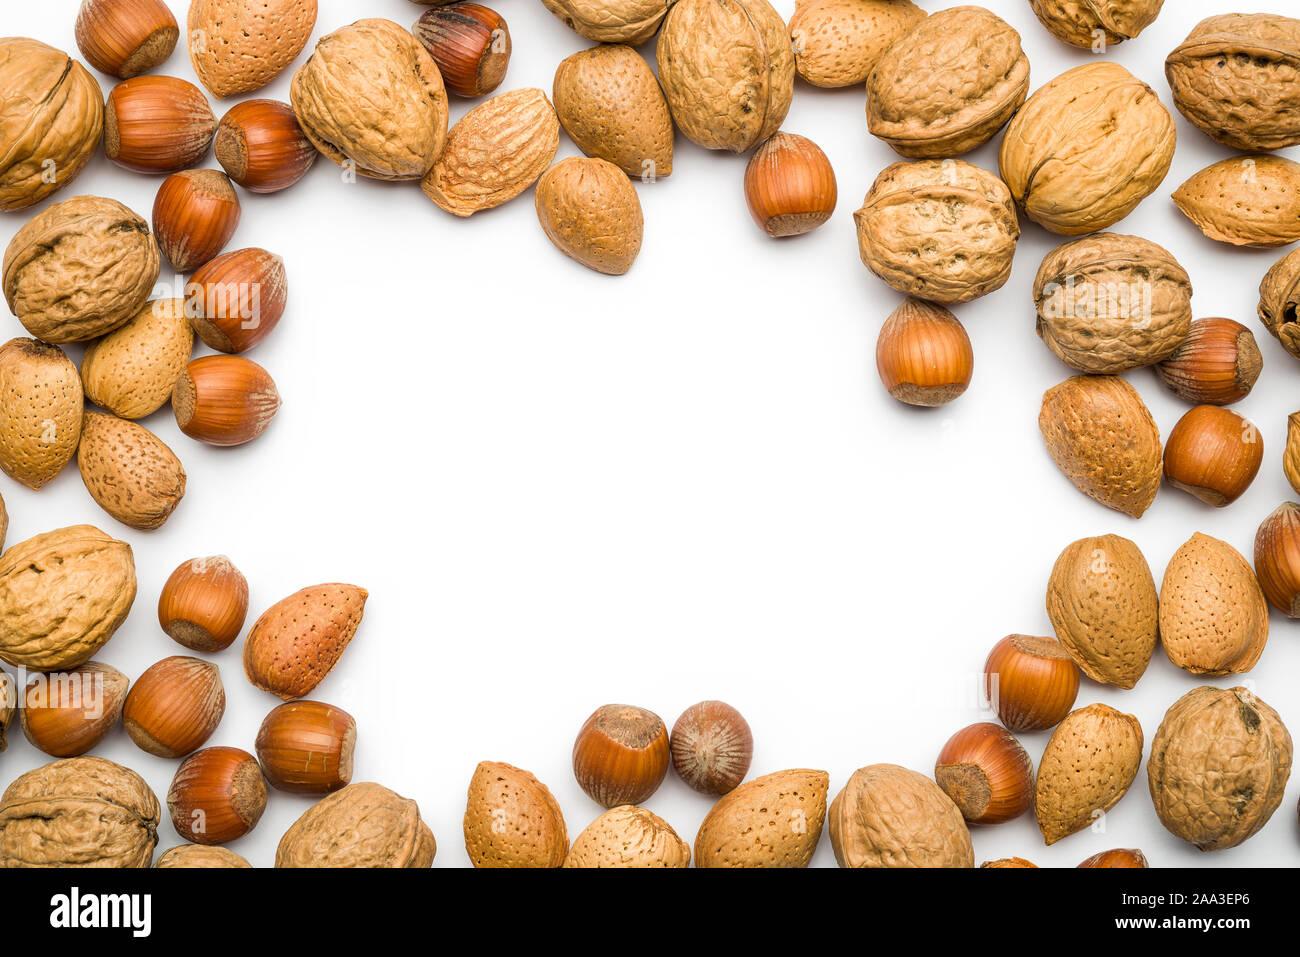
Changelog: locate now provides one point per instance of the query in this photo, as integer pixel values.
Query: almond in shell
(1213, 614)
(610, 104)
(889, 816)
(1246, 201)
(629, 837)
(238, 46)
(1089, 763)
(41, 407)
(837, 42)
(772, 821)
(129, 471)
(589, 209)
(1100, 433)
(511, 820)
(132, 370)
(1102, 601)
(296, 641)
(495, 152)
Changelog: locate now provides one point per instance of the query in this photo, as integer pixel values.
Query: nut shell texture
(1213, 615)
(772, 821)
(197, 855)
(494, 153)
(1100, 433)
(1245, 201)
(51, 120)
(1237, 79)
(948, 84)
(296, 641)
(943, 231)
(62, 595)
(81, 812)
(590, 211)
(129, 471)
(79, 269)
(727, 70)
(838, 42)
(132, 370)
(371, 94)
(611, 21)
(41, 408)
(888, 816)
(246, 43)
(1078, 22)
(1279, 301)
(1102, 601)
(609, 102)
(1087, 148)
(1109, 303)
(512, 820)
(628, 836)
(1089, 763)
(363, 825)
(1219, 767)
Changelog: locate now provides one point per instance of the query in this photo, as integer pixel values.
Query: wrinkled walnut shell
(1279, 302)
(611, 21)
(362, 825)
(1078, 22)
(888, 816)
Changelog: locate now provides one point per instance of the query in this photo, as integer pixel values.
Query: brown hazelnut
(1214, 454)
(195, 213)
(470, 43)
(175, 706)
(261, 146)
(235, 300)
(1277, 558)
(306, 747)
(125, 38)
(1217, 363)
(203, 603)
(67, 713)
(1119, 857)
(224, 400)
(621, 755)
(987, 773)
(711, 747)
(923, 355)
(789, 185)
(1031, 682)
(218, 795)
(157, 124)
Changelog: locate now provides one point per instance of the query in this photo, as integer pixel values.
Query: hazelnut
(470, 43)
(175, 706)
(157, 124)
(125, 37)
(923, 355)
(261, 146)
(1214, 454)
(203, 603)
(789, 185)
(224, 400)
(711, 747)
(621, 755)
(306, 747)
(1217, 363)
(1031, 682)
(235, 300)
(67, 713)
(987, 773)
(218, 795)
(1119, 857)
(195, 213)
(1277, 558)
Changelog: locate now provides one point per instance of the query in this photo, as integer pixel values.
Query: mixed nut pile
(1076, 156)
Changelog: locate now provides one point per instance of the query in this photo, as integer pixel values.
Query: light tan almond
(590, 211)
(238, 46)
(129, 471)
(772, 821)
(132, 370)
(837, 42)
(1245, 201)
(40, 411)
(512, 820)
(1089, 763)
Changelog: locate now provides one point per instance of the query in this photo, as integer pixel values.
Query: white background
(564, 489)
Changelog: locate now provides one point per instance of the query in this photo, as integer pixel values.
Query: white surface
(564, 489)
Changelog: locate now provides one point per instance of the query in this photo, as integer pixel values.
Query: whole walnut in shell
(727, 70)
(1087, 148)
(888, 816)
(1109, 303)
(1219, 766)
(946, 86)
(370, 95)
(80, 812)
(51, 120)
(1235, 79)
(200, 856)
(611, 21)
(944, 231)
(1279, 301)
(837, 42)
(79, 269)
(361, 825)
(1096, 24)
(62, 596)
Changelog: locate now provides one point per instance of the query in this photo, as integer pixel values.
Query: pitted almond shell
(1089, 763)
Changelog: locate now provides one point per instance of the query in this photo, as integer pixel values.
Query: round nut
(235, 300)
(887, 816)
(711, 747)
(1214, 454)
(195, 213)
(125, 38)
(1031, 682)
(1096, 24)
(987, 773)
(790, 185)
(261, 146)
(1277, 558)
(203, 603)
(157, 124)
(174, 707)
(217, 795)
(306, 747)
(67, 713)
(224, 400)
(1217, 364)
(1279, 301)
(924, 355)
(621, 755)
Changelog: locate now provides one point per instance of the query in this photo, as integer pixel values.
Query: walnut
(1086, 148)
(51, 120)
(1109, 303)
(948, 84)
(1096, 24)
(612, 21)
(888, 816)
(81, 812)
(1279, 301)
(1235, 78)
(362, 825)
(1219, 766)
(79, 269)
(371, 97)
(727, 69)
(940, 230)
